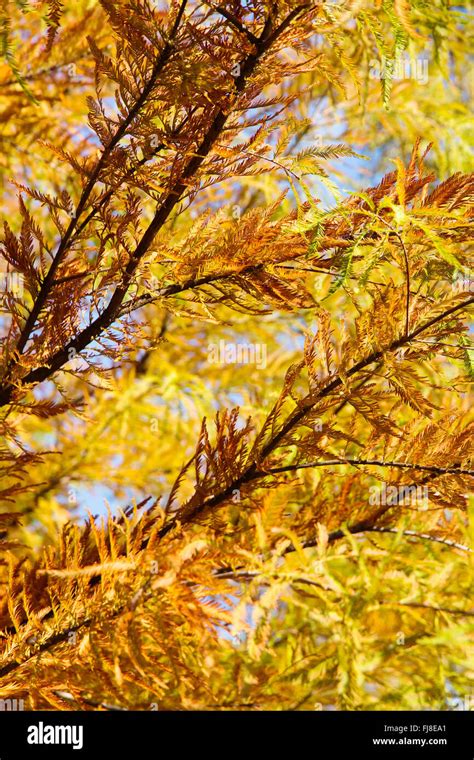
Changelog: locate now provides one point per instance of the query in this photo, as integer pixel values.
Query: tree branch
(234, 21)
(372, 462)
(47, 283)
(112, 310)
(253, 472)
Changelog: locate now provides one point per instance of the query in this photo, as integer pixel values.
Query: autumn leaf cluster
(184, 532)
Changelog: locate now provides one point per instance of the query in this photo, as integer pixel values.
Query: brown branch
(253, 472)
(234, 21)
(448, 610)
(372, 462)
(106, 196)
(407, 273)
(112, 311)
(37, 74)
(366, 525)
(56, 638)
(71, 277)
(47, 283)
(421, 536)
(285, 24)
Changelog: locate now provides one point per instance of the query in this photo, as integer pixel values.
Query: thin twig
(407, 273)
(372, 462)
(448, 610)
(234, 21)
(425, 536)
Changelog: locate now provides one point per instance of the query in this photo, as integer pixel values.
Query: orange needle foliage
(180, 243)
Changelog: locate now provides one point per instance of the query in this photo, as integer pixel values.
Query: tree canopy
(236, 361)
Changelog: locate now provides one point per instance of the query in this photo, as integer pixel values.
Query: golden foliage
(179, 250)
